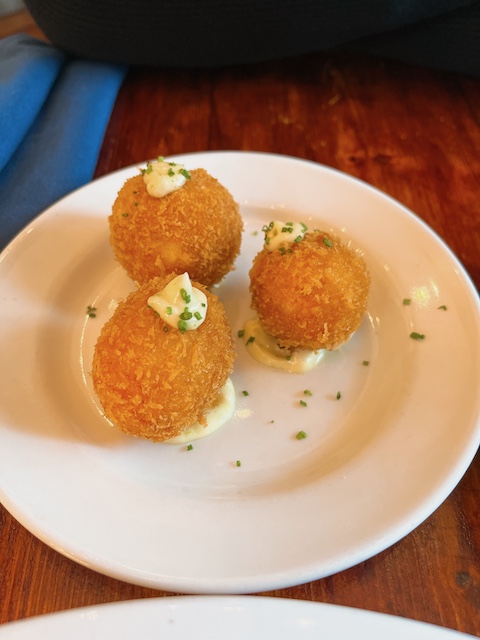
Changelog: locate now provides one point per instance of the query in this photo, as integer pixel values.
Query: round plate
(375, 463)
(217, 618)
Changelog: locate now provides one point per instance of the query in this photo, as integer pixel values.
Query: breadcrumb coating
(196, 229)
(312, 296)
(153, 381)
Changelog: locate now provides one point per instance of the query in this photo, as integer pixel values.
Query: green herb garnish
(186, 315)
(301, 435)
(417, 336)
(185, 297)
(182, 326)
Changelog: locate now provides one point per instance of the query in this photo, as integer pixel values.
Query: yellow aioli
(218, 415)
(280, 234)
(265, 349)
(161, 178)
(179, 304)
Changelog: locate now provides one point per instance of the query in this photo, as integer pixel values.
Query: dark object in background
(211, 33)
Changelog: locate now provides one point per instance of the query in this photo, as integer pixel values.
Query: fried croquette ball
(196, 228)
(152, 380)
(312, 295)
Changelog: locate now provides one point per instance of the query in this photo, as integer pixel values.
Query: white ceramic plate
(374, 464)
(217, 618)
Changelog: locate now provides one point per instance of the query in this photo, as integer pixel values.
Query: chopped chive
(417, 336)
(307, 392)
(303, 403)
(171, 172)
(366, 363)
(298, 239)
(169, 311)
(185, 297)
(407, 301)
(301, 435)
(245, 393)
(186, 315)
(160, 158)
(91, 311)
(238, 463)
(327, 242)
(251, 339)
(190, 447)
(443, 307)
(198, 315)
(241, 333)
(182, 326)
(185, 173)
(125, 215)
(339, 395)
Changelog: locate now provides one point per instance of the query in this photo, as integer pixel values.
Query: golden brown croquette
(152, 380)
(196, 229)
(312, 296)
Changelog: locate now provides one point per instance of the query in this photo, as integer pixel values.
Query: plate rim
(165, 608)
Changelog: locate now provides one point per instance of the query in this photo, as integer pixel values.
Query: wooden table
(413, 133)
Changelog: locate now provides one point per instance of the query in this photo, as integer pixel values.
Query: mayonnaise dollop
(279, 235)
(265, 349)
(216, 417)
(180, 305)
(161, 178)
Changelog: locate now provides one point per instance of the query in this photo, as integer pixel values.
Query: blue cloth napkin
(53, 114)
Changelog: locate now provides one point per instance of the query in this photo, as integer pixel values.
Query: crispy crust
(313, 297)
(154, 383)
(196, 229)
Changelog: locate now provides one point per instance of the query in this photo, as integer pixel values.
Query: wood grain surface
(413, 133)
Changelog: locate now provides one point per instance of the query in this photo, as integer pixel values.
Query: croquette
(312, 295)
(197, 229)
(152, 380)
